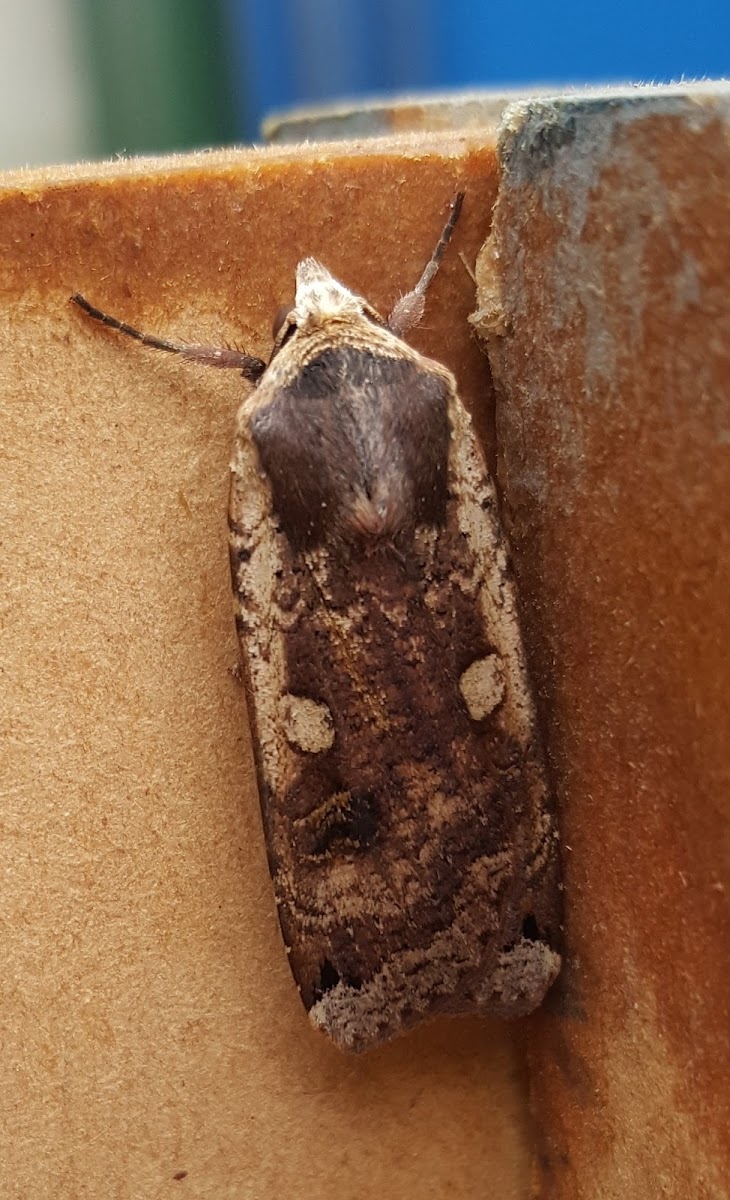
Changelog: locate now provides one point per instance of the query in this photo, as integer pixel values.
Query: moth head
(320, 298)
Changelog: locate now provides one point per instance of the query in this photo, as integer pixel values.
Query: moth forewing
(409, 826)
(411, 839)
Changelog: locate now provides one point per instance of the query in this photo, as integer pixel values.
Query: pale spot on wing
(307, 724)
(482, 686)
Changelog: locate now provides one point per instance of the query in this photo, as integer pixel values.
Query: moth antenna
(206, 356)
(409, 310)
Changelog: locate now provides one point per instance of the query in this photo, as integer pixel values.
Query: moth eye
(280, 318)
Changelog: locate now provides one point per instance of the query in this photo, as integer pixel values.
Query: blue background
(292, 51)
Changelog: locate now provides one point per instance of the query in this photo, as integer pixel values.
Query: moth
(410, 832)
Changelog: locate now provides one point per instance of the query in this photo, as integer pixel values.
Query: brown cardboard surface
(604, 292)
(150, 1024)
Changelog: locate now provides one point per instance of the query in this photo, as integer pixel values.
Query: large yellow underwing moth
(408, 822)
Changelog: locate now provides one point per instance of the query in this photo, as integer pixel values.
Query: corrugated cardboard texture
(605, 291)
(151, 1028)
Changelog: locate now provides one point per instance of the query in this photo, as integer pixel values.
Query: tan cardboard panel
(150, 1023)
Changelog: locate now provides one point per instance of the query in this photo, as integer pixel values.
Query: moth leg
(410, 308)
(207, 356)
(236, 672)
